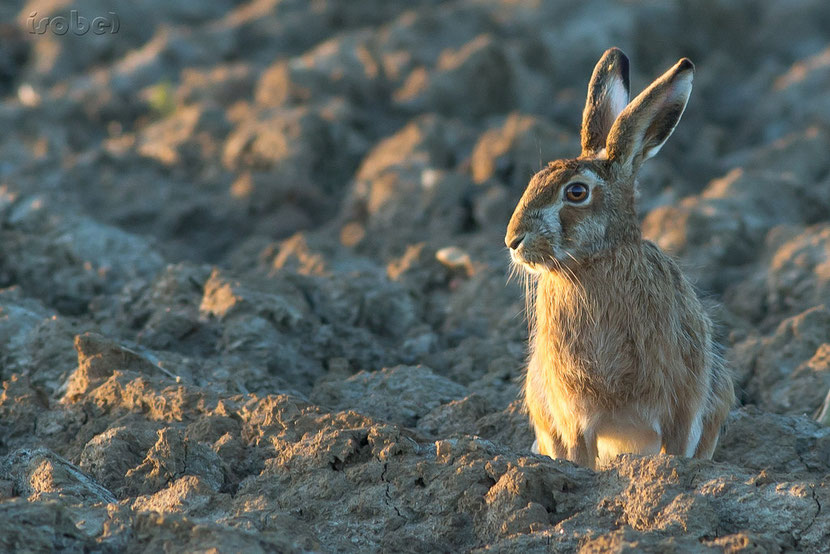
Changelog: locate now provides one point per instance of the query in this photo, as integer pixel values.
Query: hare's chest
(589, 351)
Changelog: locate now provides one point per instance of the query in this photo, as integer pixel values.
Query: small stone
(456, 259)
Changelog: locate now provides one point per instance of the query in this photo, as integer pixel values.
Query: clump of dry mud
(254, 290)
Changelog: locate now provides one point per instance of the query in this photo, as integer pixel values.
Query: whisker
(516, 271)
(581, 292)
(530, 283)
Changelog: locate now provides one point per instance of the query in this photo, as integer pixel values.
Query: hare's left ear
(607, 96)
(649, 120)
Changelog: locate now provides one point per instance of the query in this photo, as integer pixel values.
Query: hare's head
(576, 208)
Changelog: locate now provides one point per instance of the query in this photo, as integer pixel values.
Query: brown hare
(622, 356)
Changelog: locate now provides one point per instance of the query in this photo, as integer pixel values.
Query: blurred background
(144, 133)
(289, 196)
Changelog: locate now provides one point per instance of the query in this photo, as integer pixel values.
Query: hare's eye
(576, 193)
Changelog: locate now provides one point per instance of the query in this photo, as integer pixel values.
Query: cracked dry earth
(254, 291)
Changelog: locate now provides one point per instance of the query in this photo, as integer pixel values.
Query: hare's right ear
(649, 120)
(607, 97)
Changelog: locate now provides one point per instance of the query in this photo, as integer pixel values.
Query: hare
(622, 358)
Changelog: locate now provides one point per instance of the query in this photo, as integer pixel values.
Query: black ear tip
(685, 64)
(623, 65)
(619, 62)
(616, 54)
(616, 61)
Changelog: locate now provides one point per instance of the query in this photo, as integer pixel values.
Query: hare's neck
(562, 304)
(570, 303)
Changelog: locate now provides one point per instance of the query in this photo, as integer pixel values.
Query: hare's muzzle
(517, 230)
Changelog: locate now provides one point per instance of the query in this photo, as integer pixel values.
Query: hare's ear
(649, 120)
(607, 96)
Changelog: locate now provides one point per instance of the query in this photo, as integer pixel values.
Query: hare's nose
(515, 242)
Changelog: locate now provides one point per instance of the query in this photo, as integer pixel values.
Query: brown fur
(622, 357)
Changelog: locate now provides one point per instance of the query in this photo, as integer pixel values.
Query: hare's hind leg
(712, 423)
(722, 398)
(708, 440)
(683, 433)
